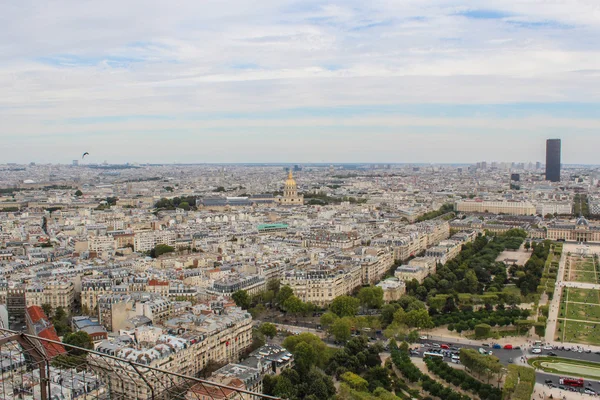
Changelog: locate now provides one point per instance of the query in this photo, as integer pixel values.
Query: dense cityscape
(300, 200)
(300, 281)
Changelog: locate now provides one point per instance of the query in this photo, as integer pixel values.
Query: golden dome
(290, 180)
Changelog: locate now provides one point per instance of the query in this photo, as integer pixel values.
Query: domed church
(290, 193)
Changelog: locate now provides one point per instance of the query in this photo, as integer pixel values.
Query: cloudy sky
(299, 81)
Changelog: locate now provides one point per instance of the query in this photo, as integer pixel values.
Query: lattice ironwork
(37, 368)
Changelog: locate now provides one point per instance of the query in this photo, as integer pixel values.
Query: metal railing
(32, 367)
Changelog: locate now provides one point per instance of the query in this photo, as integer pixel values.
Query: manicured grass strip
(582, 332)
(583, 312)
(566, 366)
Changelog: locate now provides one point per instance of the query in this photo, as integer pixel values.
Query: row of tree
(483, 365)
(402, 361)
(463, 380)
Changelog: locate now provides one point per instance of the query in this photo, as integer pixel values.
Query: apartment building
(147, 240)
(407, 273)
(320, 287)
(509, 207)
(375, 264)
(219, 333)
(59, 294)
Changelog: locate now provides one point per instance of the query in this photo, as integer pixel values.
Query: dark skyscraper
(553, 160)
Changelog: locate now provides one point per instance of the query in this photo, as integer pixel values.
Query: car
(589, 391)
(490, 353)
(482, 351)
(436, 345)
(496, 346)
(485, 344)
(536, 350)
(508, 347)
(517, 347)
(510, 360)
(588, 351)
(561, 387)
(445, 346)
(580, 350)
(423, 337)
(548, 381)
(548, 348)
(552, 354)
(567, 349)
(454, 348)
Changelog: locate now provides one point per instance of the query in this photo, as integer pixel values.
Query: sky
(191, 81)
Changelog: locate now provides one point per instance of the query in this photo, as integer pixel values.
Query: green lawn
(583, 276)
(581, 295)
(586, 264)
(583, 369)
(580, 332)
(584, 312)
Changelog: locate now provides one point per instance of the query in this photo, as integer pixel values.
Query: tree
(161, 249)
(413, 336)
(284, 293)
(78, 193)
(294, 305)
(344, 306)
(328, 319)
(320, 348)
(482, 331)
(304, 357)
(419, 319)
(78, 339)
(341, 329)
(47, 309)
(354, 381)
(184, 205)
(268, 329)
(242, 299)
(274, 285)
(371, 297)
(527, 245)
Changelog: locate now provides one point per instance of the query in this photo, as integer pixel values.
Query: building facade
(553, 160)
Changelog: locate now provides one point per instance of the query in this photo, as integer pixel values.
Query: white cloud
(97, 59)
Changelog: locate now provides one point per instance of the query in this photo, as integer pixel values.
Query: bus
(433, 355)
(575, 382)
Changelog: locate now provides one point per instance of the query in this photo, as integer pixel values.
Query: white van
(455, 359)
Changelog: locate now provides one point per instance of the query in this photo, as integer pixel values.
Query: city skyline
(421, 82)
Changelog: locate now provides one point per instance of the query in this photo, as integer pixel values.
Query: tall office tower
(553, 160)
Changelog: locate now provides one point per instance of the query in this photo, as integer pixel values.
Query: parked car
(445, 346)
(482, 351)
(485, 344)
(548, 381)
(510, 360)
(496, 346)
(436, 345)
(548, 348)
(490, 353)
(552, 354)
(423, 337)
(589, 391)
(508, 347)
(536, 350)
(517, 347)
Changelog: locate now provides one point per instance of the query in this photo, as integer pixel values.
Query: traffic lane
(504, 355)
(574, 355)
(542, 377)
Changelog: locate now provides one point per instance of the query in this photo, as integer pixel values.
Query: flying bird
(85, 154)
